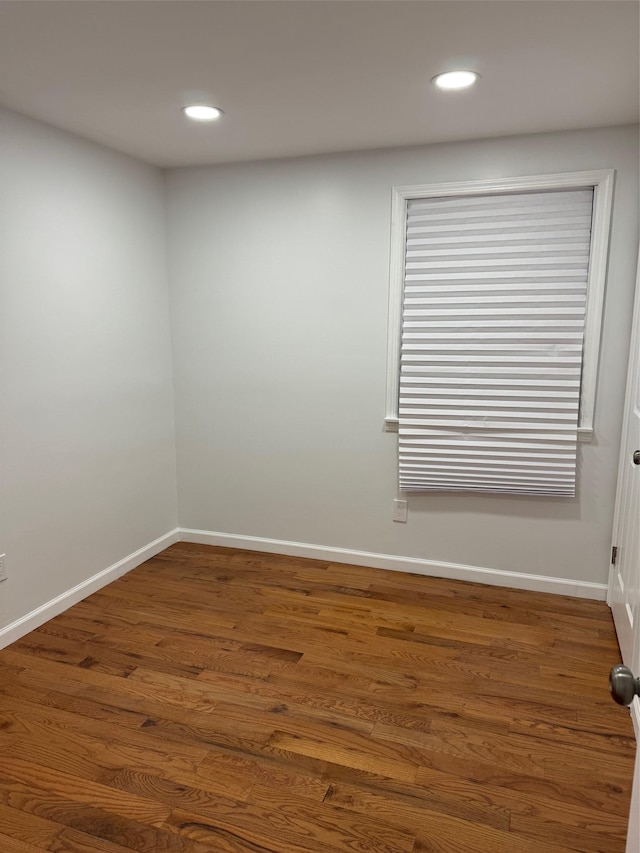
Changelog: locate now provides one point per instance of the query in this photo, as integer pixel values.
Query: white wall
(88, 462)
(279, 281)
(279, 289)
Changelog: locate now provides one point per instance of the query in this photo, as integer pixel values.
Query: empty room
(320, 426)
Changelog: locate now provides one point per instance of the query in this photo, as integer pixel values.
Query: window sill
(585, 434)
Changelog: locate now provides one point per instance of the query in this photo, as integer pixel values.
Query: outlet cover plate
(400, 511)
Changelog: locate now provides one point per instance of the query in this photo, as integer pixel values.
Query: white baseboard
(42, 614)
(414, 565)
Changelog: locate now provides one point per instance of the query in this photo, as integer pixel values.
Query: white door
(624, 583)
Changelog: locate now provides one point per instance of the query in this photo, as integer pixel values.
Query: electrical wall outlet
(3, 567)
(400, 511)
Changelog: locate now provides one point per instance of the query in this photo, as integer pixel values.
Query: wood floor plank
(73, 841)
(289, 823)
(222, 701)
(612, 798)
(100, 759)
(578, 735)
(14, 845)
(347, 755)
(434, 830)
(23, 826)
(84, 817)
(143, 810)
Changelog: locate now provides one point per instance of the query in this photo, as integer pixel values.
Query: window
(494, 327)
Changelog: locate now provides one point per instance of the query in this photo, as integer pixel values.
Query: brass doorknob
(623, 685)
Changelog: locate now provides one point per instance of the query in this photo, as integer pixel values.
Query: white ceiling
(315, 76)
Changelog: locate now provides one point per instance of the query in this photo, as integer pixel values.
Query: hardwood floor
(221, 700)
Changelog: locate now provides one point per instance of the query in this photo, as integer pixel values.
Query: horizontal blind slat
(503, 200)
(511, 225)
(538, 239)
(542, 251)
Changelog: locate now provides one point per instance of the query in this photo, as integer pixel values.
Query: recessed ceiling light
(202, 112)
(455, 79)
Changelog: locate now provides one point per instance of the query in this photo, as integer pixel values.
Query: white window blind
(492, 333)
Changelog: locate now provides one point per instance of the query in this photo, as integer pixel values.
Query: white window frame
(602, 183)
